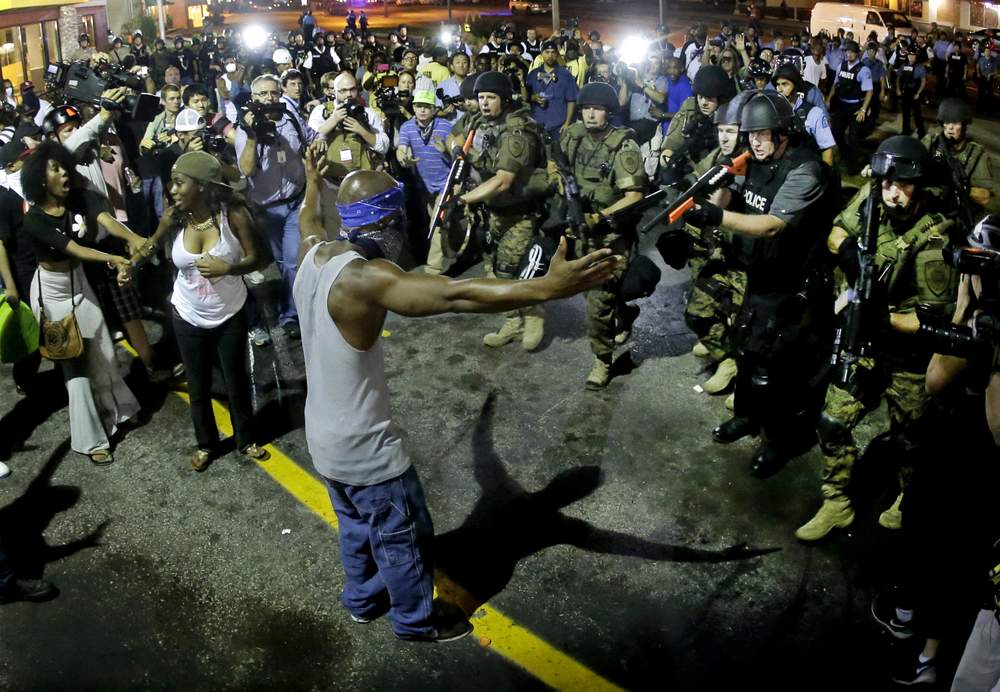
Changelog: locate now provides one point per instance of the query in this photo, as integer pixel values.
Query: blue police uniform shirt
(818, 126)
(281, 172)
(987, 65)
(876, 67)
(834, 56)
(942, 49)
(559, 89)
(864, 77)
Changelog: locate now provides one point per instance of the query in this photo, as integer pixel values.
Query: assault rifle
(577, 224)
(852, 339)
(457, 176)
(960, 191)
(679, 164)
(717, 176)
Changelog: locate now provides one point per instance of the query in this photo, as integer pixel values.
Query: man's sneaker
(449, 631)
(699, 350)
(512, 328)
(916, 673)
(34, 590)
(626, 318)
(260, 337)
(361, 620)
(599, 375)
(885, 614)
(892, 518)
(255, 277)
(834, 514)
(724, 375)
(4, 470)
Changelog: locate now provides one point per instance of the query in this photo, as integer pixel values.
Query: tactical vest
(593, 166)
(800, 115)
(531, 182)
(347, 151)
(849, 83)
(781, 264)
(907, 78)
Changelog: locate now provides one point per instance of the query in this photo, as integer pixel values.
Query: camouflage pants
(512, 234)
(715, 298)
(906, 400)
(604, 304)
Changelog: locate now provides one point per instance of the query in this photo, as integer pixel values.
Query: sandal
(201, 459)
(255, 452)
(102, 457)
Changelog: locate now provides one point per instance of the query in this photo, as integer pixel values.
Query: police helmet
(598, 94)
(900, 158)
(765, 110)
(851, 46)
(787, 72)
(729, 113)
(713, 82)
(467, 89)
(954, 110)
(59, 116)
(759, 69)
(793, 57)
(495, 83)
(986, 234)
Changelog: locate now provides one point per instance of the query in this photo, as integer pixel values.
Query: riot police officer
(849, 101)
(692, 131)
(778, 216)
(809, 120)
(509, 155)
(911, 235)
(911, 79)
(607, 164)
(954, 148)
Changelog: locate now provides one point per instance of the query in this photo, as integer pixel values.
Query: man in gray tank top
(343, 290)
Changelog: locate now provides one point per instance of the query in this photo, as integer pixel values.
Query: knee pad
(832, 432)
(699, 324)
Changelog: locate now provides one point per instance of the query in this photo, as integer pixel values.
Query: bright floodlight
(633, 50)
(254, 36)
(446, 37)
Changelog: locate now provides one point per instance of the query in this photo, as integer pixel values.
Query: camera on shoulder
(264, 130)
(78, 82)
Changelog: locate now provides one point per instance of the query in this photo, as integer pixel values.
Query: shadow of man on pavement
(508, 524)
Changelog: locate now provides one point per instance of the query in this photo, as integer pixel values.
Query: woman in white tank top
(213, 247)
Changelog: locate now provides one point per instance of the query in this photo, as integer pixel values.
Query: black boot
(735, 429)
(35, 590)
(767, 460)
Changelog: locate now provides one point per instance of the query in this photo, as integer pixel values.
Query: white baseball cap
(281, 56)
(188, 120)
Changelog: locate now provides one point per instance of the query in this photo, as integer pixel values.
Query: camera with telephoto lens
(265, 130)
(357, 110)
(212, 142)
(448, 100)
(515, 74)
(984, 334)
(80, 83)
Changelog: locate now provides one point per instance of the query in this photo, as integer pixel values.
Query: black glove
(674, 248)
(704, 215)
(848, 260)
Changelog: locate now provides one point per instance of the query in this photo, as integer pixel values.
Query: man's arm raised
(311, 229)
(383, 284)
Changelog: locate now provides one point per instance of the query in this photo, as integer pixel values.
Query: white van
(860, 19)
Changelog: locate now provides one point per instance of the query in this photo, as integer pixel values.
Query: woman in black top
(62, 225)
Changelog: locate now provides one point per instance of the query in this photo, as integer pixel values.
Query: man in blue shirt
(809, 119)
(849, 100)
(942, 49)
(986, 70)
(460, 64)
(645, 91)
(880, 83)
(276, 178)
(422, 144)
(553, 92)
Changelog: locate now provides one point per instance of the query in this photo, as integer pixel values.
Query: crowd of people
(789, 227)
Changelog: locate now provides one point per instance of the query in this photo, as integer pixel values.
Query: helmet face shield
(889, 166)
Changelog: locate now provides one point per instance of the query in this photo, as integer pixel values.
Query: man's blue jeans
(152, 192)
(385, 546)
(281, 224)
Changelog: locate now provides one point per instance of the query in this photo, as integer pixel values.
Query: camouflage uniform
(917, 274)
(972, 157)
(511, 143)
(605, 169)
(691, 134)
(717, 287)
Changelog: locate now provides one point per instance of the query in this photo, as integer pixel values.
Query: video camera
(984, 335)
(387, 97)
(264, 129)
(449, 100)
(78, 82)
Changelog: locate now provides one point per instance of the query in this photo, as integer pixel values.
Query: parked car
(530, 6)
(860, 19)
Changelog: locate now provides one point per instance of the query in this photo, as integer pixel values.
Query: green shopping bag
(18, 331)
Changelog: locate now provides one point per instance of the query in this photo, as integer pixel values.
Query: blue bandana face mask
(384, 239)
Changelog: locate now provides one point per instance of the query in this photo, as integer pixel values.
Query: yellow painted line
(495, 630)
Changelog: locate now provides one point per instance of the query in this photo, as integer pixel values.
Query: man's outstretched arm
(384, 284)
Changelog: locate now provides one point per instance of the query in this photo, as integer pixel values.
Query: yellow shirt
(436, 71)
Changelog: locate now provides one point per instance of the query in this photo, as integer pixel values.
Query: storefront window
(11, 55)
(87, 27)
(52, 43)
(35, 45)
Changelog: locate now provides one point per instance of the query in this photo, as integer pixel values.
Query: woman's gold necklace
(202, 225)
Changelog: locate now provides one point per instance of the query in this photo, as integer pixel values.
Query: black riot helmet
(986, 234)
(467, 89)
(59, 116)
(713, 82)
(759, 69)
(766, 110)
(598, 94)
(495, 83)
(729, 113)
(851, 46)
(954, 110)
(788, 71)
(901, 158)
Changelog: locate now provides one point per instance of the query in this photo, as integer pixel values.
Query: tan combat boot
(731, 402)
(699, 350)
(892, 518)
(836, 513)
(511, 329)
(599, 375)
(723, 376)
(626, 319)
(534, 328)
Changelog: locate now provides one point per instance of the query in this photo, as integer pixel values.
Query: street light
(555, 17)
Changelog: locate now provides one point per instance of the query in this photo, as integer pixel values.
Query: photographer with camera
(159, 135)
(451, 87)
(643, 90)
(269, 148)
(553, 92)
(197, 99)
(517, 71)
